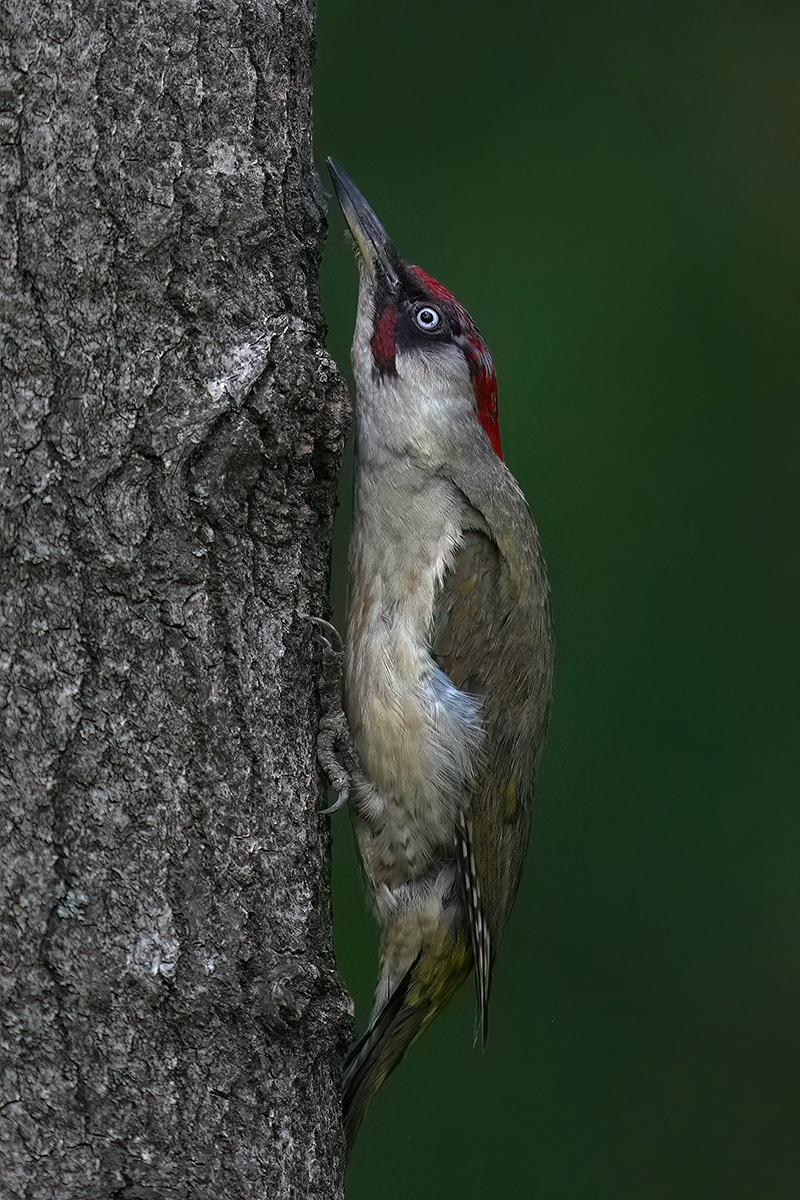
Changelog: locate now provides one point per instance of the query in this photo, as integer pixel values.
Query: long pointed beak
(374, 244)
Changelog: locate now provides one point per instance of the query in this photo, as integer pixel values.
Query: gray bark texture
(172, 1021)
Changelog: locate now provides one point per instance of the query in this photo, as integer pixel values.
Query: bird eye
(428, 318)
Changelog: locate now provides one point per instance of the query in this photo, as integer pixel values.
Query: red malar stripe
(383, 337)
(484, 385)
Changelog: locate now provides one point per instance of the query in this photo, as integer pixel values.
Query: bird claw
(324, 641)
(340, 802)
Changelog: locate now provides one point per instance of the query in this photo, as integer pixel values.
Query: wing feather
(493, 639)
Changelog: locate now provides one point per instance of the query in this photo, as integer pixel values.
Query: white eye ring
(428, 318)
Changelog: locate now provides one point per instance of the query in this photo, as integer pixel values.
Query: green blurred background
(613, 192)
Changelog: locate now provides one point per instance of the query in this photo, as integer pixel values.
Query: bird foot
(336, 753)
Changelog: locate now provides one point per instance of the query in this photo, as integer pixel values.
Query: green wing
(493, 638)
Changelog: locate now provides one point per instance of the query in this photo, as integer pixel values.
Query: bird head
(415, 344)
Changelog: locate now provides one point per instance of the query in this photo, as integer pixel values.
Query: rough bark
(171, 431)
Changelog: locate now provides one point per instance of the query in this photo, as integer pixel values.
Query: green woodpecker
(448, 651)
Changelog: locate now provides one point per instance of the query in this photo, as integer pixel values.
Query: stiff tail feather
(376, 1054)
(425, 988)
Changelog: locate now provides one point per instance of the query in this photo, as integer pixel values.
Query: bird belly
(417, 735)
(418, 739)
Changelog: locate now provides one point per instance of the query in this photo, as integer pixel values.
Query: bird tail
(421, 993)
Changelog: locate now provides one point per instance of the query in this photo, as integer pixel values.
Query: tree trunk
(171, 433)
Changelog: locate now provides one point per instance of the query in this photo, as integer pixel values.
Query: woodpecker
(448, 651)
